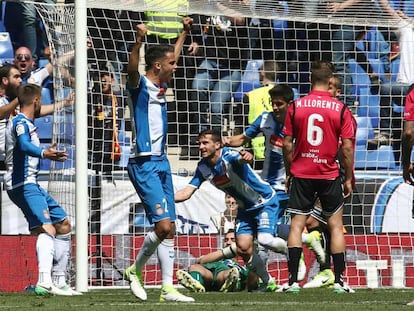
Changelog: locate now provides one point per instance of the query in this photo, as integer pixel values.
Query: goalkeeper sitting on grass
(224, 275)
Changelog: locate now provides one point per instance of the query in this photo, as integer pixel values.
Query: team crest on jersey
(19, 129)
(46, 214)
(159, 210)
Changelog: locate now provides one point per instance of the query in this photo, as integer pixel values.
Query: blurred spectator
(344, 38)
(394, 92)
(10, 80)
(24, 61)
(219, 74)
(25, 26)
(104, 114)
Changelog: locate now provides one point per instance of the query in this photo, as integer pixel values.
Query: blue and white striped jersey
(22, 152)
(273, 166)
(235, 178)
(149, 107)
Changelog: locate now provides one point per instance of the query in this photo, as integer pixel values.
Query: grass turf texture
(309, 299)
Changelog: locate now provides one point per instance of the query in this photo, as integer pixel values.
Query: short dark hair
(215, 134)
(282, 90)
(27, 92)
(5, 71)
(155, 53)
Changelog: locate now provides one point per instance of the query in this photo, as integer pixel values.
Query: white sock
(166, 258)
(149, 246)
(273, 243)
(256, 265)
(61, 259)
(45, 248)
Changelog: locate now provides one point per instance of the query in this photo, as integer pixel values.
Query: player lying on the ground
(224, 275)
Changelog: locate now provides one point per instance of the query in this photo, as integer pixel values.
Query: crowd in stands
(224, 58)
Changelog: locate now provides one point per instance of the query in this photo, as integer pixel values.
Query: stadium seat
(43, 62)
(368, 105)
(6, 48)
(46, 96)
(44, 128)
(382, 158)
(360, 77)
(250, 79)
(364, 130)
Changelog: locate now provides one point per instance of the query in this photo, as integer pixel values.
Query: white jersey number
(315, 133)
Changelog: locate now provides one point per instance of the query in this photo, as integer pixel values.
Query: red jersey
(409, 106)
(316, 123)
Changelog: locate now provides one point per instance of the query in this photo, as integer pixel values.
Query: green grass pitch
(307, 300)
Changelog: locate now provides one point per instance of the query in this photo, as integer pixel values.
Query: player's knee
(164, 229)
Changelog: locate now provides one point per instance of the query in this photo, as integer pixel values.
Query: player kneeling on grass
(224, 275)
(45, 216)
(228, 170)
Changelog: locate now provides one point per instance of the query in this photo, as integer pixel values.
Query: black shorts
(304, 192)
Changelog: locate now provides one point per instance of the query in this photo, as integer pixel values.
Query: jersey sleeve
(348, 129)
(254, 129)
(287, 128)
(24, 140)
(197, 179)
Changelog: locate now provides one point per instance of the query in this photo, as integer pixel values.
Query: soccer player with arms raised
(316, 123)
(148, 167)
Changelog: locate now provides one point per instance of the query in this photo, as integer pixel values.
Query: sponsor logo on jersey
(19, 129)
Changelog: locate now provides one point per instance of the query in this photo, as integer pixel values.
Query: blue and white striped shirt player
(150, 118)
(22, 152)
(235, 178)
(273, 166)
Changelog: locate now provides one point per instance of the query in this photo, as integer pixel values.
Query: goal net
(362, 40)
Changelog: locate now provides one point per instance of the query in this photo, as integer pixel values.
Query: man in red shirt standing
(317, 123)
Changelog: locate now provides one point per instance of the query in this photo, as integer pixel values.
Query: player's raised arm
(184, 194)
(187, 22)
(133, 63)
